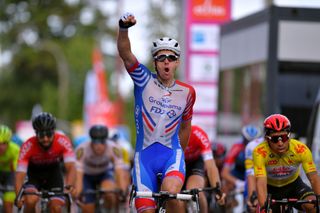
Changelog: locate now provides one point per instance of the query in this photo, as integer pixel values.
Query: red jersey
(32, 153)
(199, 145)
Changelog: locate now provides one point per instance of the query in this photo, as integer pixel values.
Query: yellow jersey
(9, 160)
(281, 170)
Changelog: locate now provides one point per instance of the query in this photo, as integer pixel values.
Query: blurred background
(60, 56)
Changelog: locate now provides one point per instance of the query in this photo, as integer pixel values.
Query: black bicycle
(287, 205)
(194, 206)
(45, 196)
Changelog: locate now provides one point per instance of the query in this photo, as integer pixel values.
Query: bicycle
(194, 206)
(161, 197)
(45, 196)
(287, 205)
(99, 195)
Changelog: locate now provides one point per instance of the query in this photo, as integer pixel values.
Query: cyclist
(233, 171)
(97, 161)
(9, 153)
(40, 160)
(252, 199)
(126, 152)
(163, 113)
(219, 153)
(199, 163)
(277, 163)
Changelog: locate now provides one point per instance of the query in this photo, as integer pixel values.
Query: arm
(79, 183)
(262, 190)
(123, 42)
(70, 173)
(212, 171)
(121, 181)
(251, 184)
(19, 180)
(226, 175)
(184, 133)
(314, 181)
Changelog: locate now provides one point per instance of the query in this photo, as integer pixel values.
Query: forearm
(225, 174)
(79, 181)
(251, 184)
(19, 180)
(184, 134)
(70, 174)
(315, 182)
(124, 48)
(121, 182)
(262, 190)
(212, 172)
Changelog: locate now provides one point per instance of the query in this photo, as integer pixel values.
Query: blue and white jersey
(159, 110)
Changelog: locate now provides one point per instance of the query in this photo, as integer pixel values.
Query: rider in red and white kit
(199, 164)
(40, 159)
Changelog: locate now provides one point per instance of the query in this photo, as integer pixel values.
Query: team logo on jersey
(157, 110)
(300, 149)
(79, 153)
(116, 152)
(171, 113)
(166, 99)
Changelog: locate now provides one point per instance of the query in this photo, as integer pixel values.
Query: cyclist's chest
(282, 165)
(164, 102)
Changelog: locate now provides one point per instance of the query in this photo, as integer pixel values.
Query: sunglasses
(42, 134)
(163, 57)
(276, 139)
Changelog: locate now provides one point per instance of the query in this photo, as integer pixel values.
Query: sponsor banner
(204, 68)
(206, 99)
(210, 10)
(205, 37)
(98, 109)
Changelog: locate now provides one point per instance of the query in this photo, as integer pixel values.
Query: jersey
(248, 155)
(159, 110)
(9, 159)
(235, 160)
(33, 156)
(199, 145)
(91, 164)
(281, 170)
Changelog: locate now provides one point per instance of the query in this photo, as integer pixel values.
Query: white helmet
(165, 43)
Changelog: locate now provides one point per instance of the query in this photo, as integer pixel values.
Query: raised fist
(127, 20)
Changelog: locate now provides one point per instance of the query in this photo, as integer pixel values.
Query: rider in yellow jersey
(276, 165)
(9, 153)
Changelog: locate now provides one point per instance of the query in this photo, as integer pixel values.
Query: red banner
(98, 108)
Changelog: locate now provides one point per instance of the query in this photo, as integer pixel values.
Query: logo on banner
(210, 10)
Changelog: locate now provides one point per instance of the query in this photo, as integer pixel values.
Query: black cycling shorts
(297, 189)
(195, 168)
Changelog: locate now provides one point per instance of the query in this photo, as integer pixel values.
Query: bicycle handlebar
(164, 194)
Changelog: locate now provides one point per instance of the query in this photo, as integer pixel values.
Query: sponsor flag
(98, 109)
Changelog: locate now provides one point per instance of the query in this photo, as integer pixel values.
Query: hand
(252, 207)
(122, 196)
(263, 210)
(127, 20)
(221, 199)
(19, 203)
